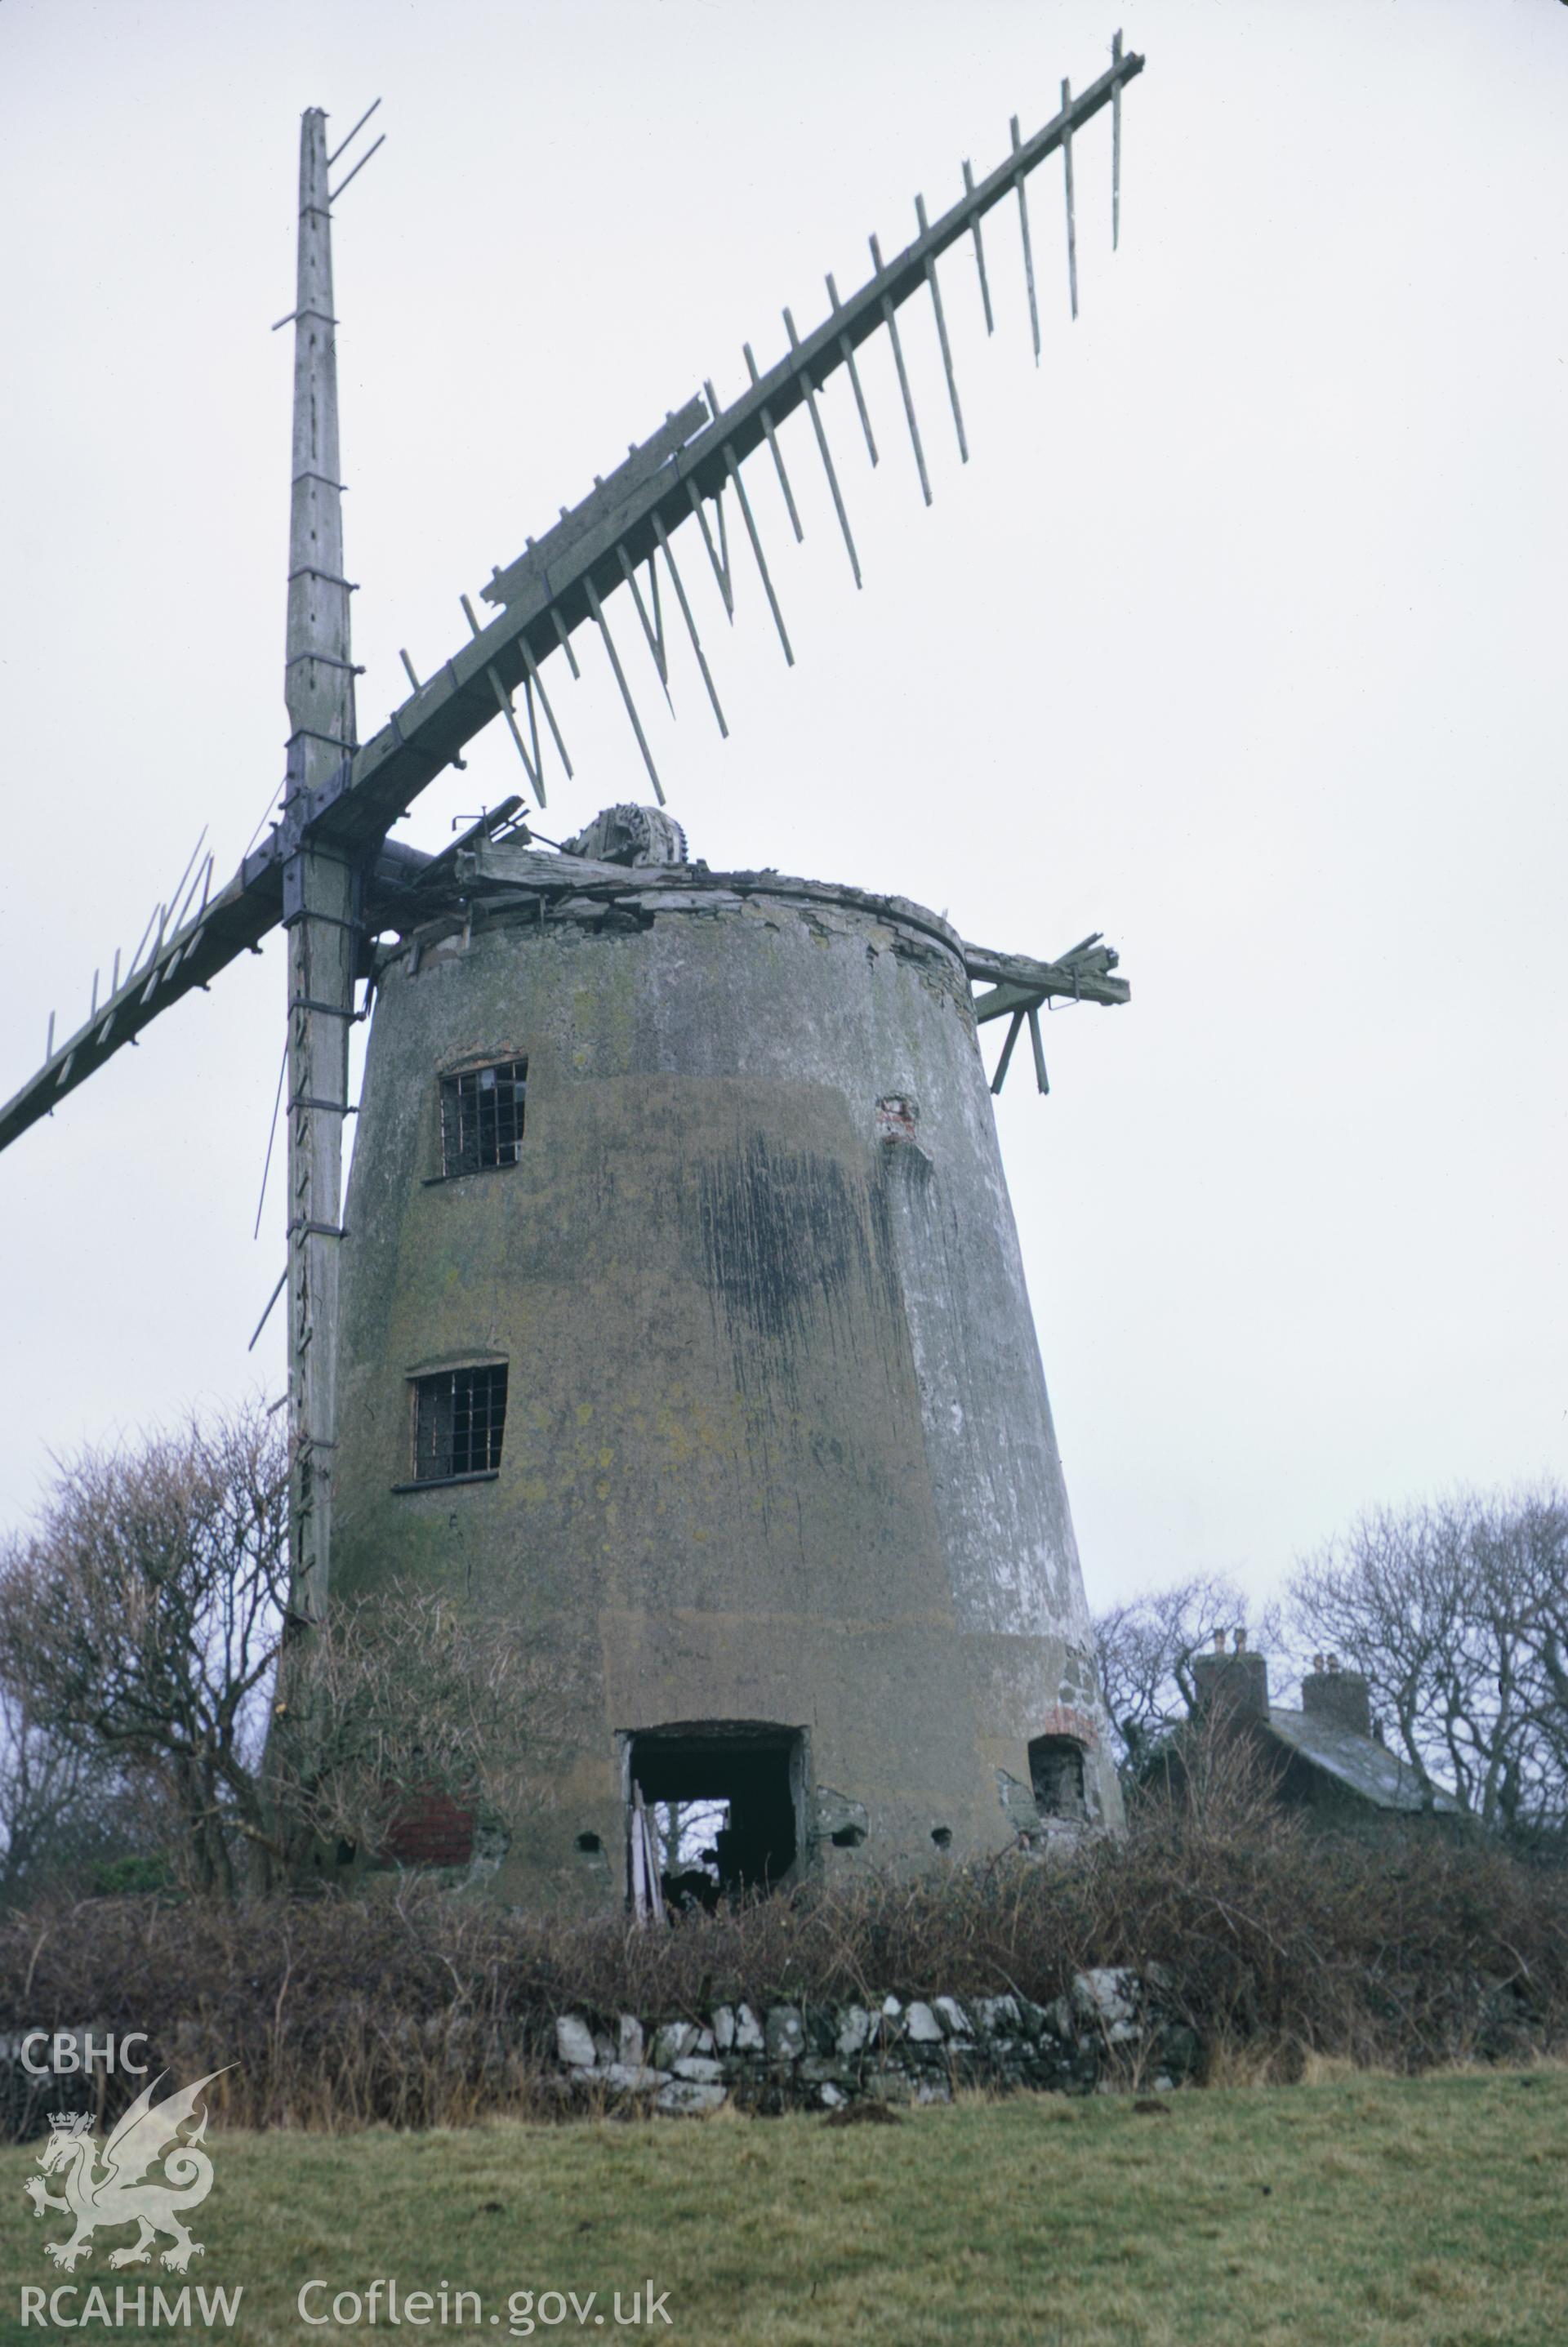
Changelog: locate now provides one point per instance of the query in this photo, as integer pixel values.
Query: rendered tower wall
(778, 1446)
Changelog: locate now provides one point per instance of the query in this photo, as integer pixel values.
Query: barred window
(458, 1418)
(482, 1117)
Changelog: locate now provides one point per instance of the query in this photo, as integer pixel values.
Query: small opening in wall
(848, 1836)
(942, 1836)
(896, 1117)
(1056, 1772)
(589, 1844)
(482, 1117)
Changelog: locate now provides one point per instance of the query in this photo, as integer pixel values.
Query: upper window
(458, 1420)
(482, 1117)
(1056, 1772)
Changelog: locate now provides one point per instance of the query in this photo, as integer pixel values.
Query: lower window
(458, 1420)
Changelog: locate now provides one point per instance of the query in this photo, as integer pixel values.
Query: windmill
(329, 874)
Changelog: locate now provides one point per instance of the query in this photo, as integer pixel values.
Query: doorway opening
(724, 1801)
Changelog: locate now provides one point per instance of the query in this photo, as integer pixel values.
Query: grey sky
(1239, 638)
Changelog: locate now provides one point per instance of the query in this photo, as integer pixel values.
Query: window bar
(483, 1117)
(459, 1423)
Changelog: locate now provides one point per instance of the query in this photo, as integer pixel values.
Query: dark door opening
(722, 1802)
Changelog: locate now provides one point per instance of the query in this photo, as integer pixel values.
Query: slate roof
(1365, 1766)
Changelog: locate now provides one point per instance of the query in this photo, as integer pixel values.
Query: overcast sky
(1239, 637)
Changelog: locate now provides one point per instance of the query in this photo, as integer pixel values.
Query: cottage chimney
(1338, 1696)
(1236, 1683)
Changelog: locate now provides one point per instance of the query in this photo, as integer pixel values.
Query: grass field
(1354, 2213)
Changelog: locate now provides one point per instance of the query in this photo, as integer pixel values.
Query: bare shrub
(401, 1696)
(416, 2008)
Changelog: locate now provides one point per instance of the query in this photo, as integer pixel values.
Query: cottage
(1327, 1759)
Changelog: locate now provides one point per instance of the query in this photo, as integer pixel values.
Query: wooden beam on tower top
(321, 891)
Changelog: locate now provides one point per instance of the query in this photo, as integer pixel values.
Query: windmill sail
(562, 582)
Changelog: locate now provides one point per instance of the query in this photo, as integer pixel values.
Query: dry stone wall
(1107, 2029)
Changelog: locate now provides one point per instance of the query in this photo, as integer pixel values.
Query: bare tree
(142, 1626)
(1457, 1612)
(142, 1620)
(1520, 1547)
(53, 1807)
(1146, 1648)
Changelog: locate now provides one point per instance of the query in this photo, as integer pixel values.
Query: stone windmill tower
(675, 1317)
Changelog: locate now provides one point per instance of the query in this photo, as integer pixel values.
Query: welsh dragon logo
(104, 2186)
